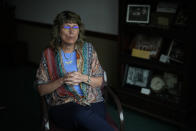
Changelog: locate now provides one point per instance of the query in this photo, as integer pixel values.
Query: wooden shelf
(159, 99)
(153, 64)
(162, 110)
(172, 32)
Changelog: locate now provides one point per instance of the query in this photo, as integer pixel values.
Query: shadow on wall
(21, 99)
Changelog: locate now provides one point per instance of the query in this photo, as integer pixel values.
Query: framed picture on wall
(137, 76)
(138, 13)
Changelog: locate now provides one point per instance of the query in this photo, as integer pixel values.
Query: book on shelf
(146, 47)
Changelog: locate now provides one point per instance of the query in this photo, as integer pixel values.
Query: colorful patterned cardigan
(51, 68)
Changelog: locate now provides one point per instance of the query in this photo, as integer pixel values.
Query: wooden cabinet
(156, 54)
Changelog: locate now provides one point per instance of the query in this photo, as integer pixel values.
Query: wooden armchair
(109, 96)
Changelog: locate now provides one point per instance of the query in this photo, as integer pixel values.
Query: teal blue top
(70, 65)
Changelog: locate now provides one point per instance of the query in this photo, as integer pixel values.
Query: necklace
(69, 59)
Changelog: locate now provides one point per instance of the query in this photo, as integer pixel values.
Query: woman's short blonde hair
(60, 19)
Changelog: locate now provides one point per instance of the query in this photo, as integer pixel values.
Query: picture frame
(146, 46)
(176, 52)
(138, 13)
(136, 76)
(161, 20)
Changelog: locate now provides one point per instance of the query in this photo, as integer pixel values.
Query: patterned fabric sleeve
(42, 73)
(96, 66)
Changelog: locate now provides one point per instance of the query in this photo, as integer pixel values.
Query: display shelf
(164, 104)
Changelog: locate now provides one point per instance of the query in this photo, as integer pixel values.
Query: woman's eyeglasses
(67, 27)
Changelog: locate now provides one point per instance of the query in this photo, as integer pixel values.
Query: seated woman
(70, 77)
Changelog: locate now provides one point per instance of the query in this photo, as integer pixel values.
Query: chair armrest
(118, 105)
